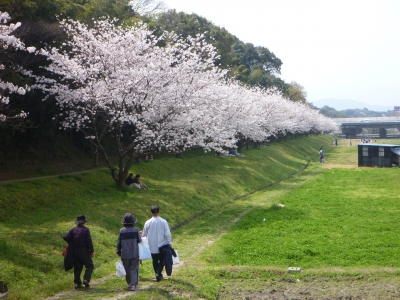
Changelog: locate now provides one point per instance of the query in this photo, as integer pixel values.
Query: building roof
(396, 151)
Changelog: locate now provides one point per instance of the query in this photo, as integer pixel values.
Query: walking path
(49, 176)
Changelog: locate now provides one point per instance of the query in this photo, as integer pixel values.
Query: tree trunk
(124, 169)
(96, 157)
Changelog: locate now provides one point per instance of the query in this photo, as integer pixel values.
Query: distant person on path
(135, 182)
(321, 155)
(128, 250)
(158, 235)
(81, 240)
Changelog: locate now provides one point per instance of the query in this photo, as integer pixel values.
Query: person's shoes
(86, 283)
(133, 288)
(159, 277)
(78, 286)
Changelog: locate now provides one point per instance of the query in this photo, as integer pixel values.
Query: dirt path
(335, 166)
(49, 176)
(201, 245)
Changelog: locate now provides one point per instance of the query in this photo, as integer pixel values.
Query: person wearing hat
(158, 235)
(128, 250)
(81, 240)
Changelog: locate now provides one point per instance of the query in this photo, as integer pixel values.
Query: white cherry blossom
(8, 41)
(118, 83)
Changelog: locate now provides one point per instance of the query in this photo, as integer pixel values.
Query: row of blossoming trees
(7, 40)
(118, 83)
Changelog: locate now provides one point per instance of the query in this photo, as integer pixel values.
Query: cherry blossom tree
(297, 118)
(8, 116)
(117, 82)
(259, 114)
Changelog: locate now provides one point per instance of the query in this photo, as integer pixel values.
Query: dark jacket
(69, 258)
(167, 252)
(129, 180)
(79, 237)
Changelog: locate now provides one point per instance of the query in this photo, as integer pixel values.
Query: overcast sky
(342, 49)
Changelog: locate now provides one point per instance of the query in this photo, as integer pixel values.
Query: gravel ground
(315, 288)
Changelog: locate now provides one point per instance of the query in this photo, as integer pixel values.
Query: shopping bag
(120, 269)
(175, 260)
(144, 250)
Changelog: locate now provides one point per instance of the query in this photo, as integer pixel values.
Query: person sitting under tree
(135, 182)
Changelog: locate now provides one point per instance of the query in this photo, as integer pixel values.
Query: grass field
(335, 223)
(342, 218)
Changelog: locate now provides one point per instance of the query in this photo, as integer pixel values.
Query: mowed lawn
(341, 218)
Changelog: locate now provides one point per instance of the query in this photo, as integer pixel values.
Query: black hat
(155, 209)
(81, 220)
(128, 219)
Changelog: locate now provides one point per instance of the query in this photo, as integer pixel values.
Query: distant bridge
(361, 119)
(351, 129)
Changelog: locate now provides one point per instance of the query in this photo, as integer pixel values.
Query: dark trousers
(131, 266)
(82, 257)
(158, 263)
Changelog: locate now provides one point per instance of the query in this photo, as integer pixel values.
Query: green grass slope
(34, 215)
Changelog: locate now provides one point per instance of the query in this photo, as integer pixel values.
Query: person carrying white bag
(158, 234)
(120, 269)
(128, 249)
(144, 250)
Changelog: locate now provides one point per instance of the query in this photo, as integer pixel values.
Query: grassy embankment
(326, 224)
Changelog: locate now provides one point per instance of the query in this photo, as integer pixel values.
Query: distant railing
(372, 119)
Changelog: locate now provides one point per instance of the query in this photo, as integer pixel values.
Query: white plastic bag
(175, 260)
(120, 269)
(144, 250)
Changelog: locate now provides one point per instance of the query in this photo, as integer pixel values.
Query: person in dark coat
(79, 237)
(128, 250)
(129, 180)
